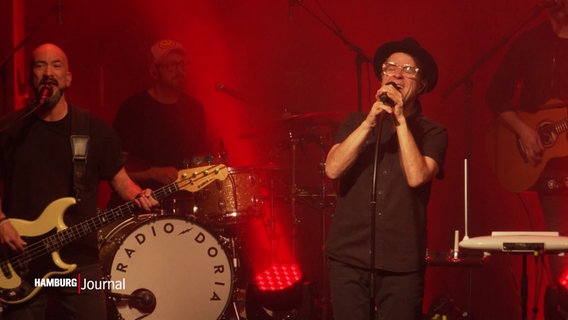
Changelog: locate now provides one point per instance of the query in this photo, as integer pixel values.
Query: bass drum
(166, 267)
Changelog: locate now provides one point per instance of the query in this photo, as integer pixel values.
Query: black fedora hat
(410, 46)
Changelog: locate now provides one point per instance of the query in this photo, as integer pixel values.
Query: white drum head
(183, 266)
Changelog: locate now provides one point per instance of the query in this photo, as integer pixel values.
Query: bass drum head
(175, 268)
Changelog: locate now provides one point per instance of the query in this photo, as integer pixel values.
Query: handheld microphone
(389, 102)
(385, 99)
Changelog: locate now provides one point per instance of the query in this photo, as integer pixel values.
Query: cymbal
(294, 124)
(319, 117)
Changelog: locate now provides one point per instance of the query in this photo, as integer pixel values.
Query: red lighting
(563, 279)
(278, 277)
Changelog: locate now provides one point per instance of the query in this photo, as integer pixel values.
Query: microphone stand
(25, 39)
(360, 56)
(373, 209)
(467, 81)
(12, 118)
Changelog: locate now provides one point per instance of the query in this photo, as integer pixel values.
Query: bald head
(49, 66)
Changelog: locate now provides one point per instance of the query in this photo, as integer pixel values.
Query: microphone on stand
(291, 4)
(222, 152)
(143, 300)
(59, 13)
(221, 87)
(44, 93)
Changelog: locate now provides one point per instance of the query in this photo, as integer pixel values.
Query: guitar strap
(80, 147)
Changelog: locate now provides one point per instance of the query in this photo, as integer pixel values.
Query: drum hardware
(300, 124)
(326, 203)
(141, 299)
(293, 131)
(231, 244)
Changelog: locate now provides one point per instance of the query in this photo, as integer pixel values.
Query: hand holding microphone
(385, 99)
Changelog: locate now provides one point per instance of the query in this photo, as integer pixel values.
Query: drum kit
(184, 262)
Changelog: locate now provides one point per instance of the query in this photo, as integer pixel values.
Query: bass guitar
(48, 233)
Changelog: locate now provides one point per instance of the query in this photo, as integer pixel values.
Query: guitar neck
(192, 180)
(93, 224)
(561, 126)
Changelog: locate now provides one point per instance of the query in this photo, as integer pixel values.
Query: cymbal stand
(293, 194)
(324, 205)
(272, 223)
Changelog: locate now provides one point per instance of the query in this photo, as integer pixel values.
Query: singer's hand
(389, 100)
(389, 96)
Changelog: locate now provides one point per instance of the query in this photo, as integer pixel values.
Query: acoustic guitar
(514, 170)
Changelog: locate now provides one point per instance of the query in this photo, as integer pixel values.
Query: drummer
(162, 128)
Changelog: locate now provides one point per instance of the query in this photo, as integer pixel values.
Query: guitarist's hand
(9, 236)
(531, 143)
(145, 200)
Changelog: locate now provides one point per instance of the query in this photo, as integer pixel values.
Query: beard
(177, 83)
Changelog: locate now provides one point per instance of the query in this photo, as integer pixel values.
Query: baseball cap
(162, 48)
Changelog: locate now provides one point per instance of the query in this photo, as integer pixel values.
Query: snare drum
(176, 268)
(236, 199)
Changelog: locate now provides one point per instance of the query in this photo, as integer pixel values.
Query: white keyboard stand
(519, 242)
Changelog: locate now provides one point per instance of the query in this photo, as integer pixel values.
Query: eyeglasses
(174, 65)
(408, 71)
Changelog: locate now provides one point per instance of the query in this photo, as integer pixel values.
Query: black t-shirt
(159, 134)
(401, 210)
(533, 71)
(37, 168)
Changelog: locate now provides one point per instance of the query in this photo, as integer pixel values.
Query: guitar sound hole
(547, 134)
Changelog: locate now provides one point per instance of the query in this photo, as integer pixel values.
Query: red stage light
(563, 279)
(278, 277)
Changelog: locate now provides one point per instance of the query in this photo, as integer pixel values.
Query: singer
(411, 154)
(37, 168)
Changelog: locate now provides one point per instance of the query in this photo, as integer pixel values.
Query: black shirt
(161, 134)
(36, 166)
(533, 71)
(401, 210)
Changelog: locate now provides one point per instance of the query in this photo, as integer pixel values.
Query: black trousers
(398, 295)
